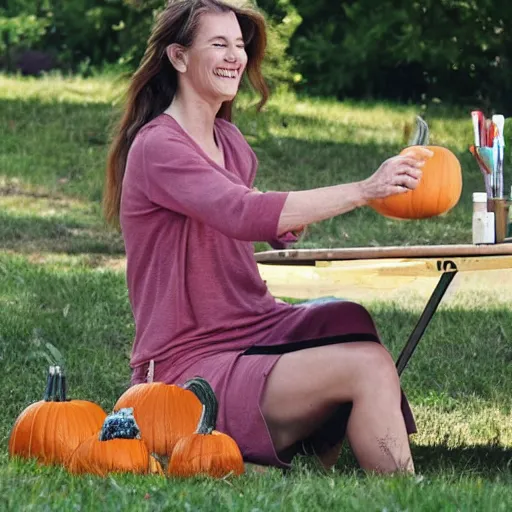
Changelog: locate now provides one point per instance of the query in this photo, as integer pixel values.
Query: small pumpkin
(164, 413)
(438, 191)
(51, 429)
(118, 448)
(207, 451)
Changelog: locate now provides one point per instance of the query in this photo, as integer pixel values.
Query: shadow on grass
(32, 234)
(486, 461)
(482, 460)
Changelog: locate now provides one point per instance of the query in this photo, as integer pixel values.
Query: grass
(62, 282)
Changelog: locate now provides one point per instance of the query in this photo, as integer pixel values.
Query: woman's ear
(178, 57)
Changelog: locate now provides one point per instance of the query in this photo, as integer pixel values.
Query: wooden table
(301, 272)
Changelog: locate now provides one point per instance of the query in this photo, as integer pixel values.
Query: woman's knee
(372, 366)
(369, 354)
(334, 317)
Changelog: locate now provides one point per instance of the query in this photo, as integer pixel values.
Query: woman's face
(217, 58)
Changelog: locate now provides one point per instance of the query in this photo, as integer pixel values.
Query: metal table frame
(424, 320)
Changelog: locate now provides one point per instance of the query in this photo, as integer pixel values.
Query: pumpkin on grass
(439, 188)
(117, 448)
(51, 429)
(207, 451)
(164, 413)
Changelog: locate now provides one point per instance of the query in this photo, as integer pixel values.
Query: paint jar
(483, 221)
(499, 207)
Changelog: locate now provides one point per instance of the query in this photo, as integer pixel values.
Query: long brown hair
(153, 85)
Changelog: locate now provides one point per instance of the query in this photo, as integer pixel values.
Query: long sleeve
(178, 178)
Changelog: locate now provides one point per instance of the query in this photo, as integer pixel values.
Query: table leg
(424, 320)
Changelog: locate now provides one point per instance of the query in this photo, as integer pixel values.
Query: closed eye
(223, 45)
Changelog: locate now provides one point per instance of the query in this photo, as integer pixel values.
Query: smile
(226, 73)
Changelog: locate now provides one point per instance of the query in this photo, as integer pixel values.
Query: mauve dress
(199, 303)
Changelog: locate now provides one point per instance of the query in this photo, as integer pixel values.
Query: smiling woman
(288, 378)
(155, 84)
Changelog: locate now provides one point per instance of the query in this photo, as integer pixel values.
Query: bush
(456, 51)
(81, 34)
(282, 21)
(452, 50)
(18, 33)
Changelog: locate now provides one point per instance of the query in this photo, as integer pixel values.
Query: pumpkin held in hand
(51, 429)
(164, 413)
(207, 451)
(117, 448)
(438, 191)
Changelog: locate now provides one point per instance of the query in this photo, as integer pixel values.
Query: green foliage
(134, 30)
(283, 20)
(88, 33)
(448, 49)
(81, 34)
(23, 31)
(457, 51)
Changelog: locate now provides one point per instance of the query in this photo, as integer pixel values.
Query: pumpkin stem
(55, 390)
(202, 389)
(55, 379)
(120, 425)
(421, 135)
(60, 388)
(49, 384)
(63, 395)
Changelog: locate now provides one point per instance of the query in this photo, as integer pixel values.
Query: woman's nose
(230, 54)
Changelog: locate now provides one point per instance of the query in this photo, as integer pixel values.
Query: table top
(312, 256)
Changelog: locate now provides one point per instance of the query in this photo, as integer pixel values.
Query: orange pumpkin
(164, 413)
(51, 429)
(207, 451)
(118, 448)
(438, 191)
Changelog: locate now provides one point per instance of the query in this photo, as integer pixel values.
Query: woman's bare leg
(305, 386)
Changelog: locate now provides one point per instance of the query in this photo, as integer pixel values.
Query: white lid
(479, 197)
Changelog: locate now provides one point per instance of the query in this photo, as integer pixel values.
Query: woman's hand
(396, 175)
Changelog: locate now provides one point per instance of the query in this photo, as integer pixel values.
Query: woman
(288, 378)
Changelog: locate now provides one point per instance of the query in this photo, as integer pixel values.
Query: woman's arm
(395, 176)
(176, 177)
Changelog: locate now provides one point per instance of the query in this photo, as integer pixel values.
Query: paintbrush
(499, 153)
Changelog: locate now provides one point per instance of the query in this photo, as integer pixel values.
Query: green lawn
(62, 282)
